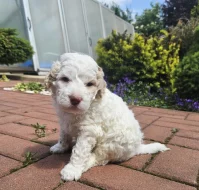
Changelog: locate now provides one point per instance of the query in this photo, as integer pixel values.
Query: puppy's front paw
(70, 173)
(58, 148)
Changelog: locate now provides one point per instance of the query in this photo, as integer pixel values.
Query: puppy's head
(75, 81)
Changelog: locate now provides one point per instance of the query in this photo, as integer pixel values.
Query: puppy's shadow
(44, 159)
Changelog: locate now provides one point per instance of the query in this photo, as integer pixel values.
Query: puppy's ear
(51, 76)
(101, 84)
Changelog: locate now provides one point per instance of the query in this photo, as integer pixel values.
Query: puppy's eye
(90, 84)
(65, 79)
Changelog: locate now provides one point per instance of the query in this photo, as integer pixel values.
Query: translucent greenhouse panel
(109, 21)
(120, 25)
(11, 16)
(47, 30)
(94, 23)
(75, 26)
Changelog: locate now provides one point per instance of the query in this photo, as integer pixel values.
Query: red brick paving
(75, 185)
(189, 143)
(11, 104)
(45, 174)
(49, 124)
(11, 118)
(7, 164)
(3, 108)
(42, 116)
(21, 131)
(17, 148)
(188, 134)
(156, 133)
(147, 119)
(31, 109)
(137, 162)
(178, 163)
(50, 139)
(143, 125)
(181, 121)
(164, 115)
(176, 125)
(194, 117)
(3, 114)
(174, 169)
(16, 130)
(118, 178)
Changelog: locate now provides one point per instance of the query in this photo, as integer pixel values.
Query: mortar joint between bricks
(90, 184)
(186, 116)
(173, 132)
(149, 161)
(148, 125)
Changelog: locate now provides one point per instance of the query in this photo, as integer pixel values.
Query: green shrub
(185, 34)
(4, 78)
(186, 77)
(12, 48)
(32, 86)
(151, 60)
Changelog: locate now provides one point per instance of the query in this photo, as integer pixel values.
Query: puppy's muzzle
(74, 100)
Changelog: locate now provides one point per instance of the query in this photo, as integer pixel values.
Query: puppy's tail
(151, 148)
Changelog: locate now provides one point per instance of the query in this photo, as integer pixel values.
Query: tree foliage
(195, 11)
(149, 22)
(173, 10)
(185, 33)
(125, 15)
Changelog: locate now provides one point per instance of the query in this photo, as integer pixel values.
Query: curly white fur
(101, 128)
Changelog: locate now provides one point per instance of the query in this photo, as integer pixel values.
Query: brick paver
(49, 124)
(41, 175)
(148, 119)
(160, 114)
(17, 148)
(11, 118)
(21, 131)
(3, 114)
(75, 185)
(137, 162)
(157, 133)
(31, 109)
(194, 117)
(50, 139)
(176, 125)
(180, 121)
(7, 165)
(42, 116)
(188, 134)
(170, 170)
(16, 130)
(178, 163)
(189, 143)
(116, 177)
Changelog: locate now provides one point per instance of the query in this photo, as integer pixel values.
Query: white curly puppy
(97, 122)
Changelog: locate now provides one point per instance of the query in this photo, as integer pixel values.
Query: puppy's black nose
(74, 100)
